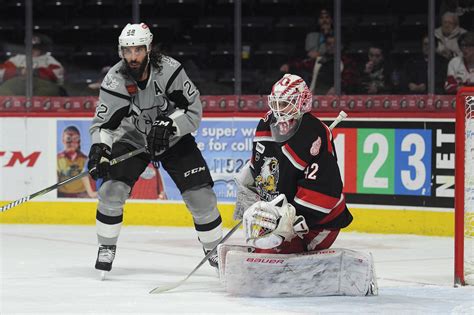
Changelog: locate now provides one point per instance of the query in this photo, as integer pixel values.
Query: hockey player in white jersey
(147, 99)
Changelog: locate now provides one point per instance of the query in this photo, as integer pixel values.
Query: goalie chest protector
(304, 168)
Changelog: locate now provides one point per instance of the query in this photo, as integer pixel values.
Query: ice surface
(50, 269)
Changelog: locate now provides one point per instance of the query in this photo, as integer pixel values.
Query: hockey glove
(99, 160)
(269, 224)
(158, 139)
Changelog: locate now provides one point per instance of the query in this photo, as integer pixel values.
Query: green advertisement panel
(375, 161)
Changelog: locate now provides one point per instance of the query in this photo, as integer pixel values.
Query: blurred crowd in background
(385, 44)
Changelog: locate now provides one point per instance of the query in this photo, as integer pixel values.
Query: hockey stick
(171, 286)
(118, 159)
(342, 115)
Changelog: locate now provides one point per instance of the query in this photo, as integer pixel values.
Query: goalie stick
(171, 286)
(118, 159)
(342, 115)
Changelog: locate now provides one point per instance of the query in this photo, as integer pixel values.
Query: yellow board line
(170, 214)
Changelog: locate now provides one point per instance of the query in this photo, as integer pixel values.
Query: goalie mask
(289, 100)
(135, 35)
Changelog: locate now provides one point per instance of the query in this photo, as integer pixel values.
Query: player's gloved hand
(99, 160)
(158, 139)
(268, 224)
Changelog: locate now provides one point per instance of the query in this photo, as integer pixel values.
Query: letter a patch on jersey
(158, 91)
(260, 148)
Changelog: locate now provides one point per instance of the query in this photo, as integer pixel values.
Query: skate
(105, 258)
(213, 259)
(373, 288)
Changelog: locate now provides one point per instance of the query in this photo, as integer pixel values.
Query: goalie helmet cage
(464, 188)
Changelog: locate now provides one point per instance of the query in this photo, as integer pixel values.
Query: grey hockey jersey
(125, 112)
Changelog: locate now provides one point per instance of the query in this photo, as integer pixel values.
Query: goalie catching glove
(268, 224)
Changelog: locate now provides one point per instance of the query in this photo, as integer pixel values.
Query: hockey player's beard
(136, 73)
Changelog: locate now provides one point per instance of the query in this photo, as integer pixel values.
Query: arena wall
(398, 171)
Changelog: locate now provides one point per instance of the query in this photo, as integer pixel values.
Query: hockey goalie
(290, 199)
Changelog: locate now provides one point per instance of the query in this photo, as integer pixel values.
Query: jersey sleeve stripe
(294, 159)
(331, 213)
(173, 77)
(260, 139)
(316, 200)
(116, 119)
(338, 209)
(125, 97)
(263, 133)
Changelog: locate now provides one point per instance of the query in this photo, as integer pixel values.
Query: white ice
(49, 269)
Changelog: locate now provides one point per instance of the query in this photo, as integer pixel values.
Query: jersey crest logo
(110, 82)
(267, 181)
(315, 147)
(143, 118)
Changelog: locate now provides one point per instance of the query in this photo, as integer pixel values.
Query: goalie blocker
(318, 273)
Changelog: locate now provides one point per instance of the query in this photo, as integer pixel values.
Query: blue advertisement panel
(226, 144)
(413, 162)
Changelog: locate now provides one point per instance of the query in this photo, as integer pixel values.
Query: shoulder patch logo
(110, 82)
(315, 147)
(172, 62)
(132, 89)
(260, 147)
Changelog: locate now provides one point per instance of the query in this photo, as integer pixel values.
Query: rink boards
(398, 173)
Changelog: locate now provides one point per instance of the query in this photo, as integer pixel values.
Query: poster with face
(73, 143)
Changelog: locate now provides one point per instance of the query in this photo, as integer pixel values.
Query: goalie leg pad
(222, 251)
(320, 273)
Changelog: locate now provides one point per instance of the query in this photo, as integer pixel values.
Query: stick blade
(165, 288)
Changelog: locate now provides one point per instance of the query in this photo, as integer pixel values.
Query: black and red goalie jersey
(304, 168)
